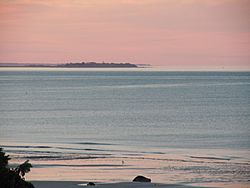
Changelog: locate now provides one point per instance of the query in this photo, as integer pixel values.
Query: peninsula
(94, 64)
(73, 65)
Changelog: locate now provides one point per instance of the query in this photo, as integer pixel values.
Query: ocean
(184, 127)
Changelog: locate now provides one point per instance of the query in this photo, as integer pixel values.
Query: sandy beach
(75, 184)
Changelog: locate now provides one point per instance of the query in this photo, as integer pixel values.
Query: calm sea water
(55, 112)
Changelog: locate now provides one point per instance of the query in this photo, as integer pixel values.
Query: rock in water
(90, 184)
(141, 179)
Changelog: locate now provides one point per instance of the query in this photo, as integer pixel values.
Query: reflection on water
(103, 162)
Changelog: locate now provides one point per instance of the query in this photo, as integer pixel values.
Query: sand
(73, 184)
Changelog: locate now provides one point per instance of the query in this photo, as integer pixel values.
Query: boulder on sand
(141, 179)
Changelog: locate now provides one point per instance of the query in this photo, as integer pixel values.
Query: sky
(181, 34)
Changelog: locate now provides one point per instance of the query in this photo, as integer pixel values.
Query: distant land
(94, 64)
(77, 65)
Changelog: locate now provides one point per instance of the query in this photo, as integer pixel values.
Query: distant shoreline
(74, 65)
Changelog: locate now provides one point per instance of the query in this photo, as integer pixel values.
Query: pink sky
(172, 33)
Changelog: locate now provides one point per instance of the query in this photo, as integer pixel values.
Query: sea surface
(110, 124)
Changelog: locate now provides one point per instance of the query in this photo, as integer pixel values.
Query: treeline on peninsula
(69, 65)
(94, 64)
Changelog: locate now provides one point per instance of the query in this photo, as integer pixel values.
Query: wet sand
(76, 184)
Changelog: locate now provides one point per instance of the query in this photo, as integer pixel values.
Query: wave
(211, 158)
(92, 143)
(61, 157)
(11, 146)
(58, 150)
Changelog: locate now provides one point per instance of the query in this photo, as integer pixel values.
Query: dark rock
(90, 184)
(141, 179)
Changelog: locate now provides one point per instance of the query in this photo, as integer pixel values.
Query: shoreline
(79, 184)
(91, 162)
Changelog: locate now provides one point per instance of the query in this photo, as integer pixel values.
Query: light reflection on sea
(113, 163)
(111, 125)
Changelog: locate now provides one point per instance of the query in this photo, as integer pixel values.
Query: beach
(57, 184)
(72, 184)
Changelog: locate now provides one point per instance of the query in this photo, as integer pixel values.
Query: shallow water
(177, 118)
